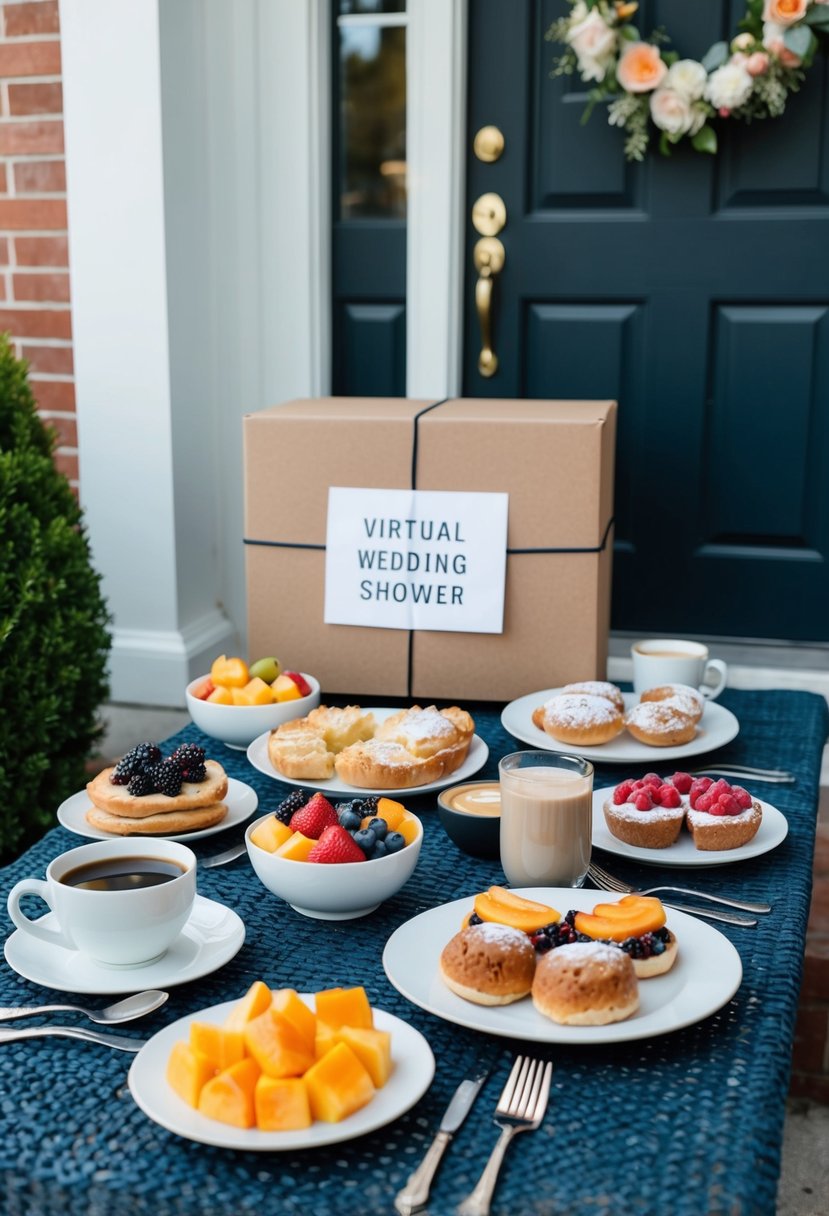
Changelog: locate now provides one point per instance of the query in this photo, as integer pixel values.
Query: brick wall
(34, 264)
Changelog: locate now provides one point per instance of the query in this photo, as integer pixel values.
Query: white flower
(595, 45)
(673, 113)
(729, 87)
(772, 35)
(687, 77)
(578, 13)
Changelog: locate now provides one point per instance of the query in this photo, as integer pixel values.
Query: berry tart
(647, 813)
(721, 816)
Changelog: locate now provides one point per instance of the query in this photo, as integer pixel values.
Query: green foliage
(54, 640)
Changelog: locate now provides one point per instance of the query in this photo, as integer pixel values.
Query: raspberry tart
(647, 813)
(721, 816)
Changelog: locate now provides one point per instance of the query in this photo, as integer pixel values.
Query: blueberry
(348, 818)
(379, 827)
(366, 840)
(379, 849)
(394, 842)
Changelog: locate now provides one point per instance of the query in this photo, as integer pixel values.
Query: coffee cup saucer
(211, 937)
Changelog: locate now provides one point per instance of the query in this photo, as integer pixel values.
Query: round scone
(579, 719)
(586, 984)
(380, 764)
(489, 964)
(682, 696)
(118, 801)
(659, 724)
(596, 688)
(157, 825)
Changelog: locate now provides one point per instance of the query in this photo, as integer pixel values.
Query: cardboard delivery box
(554, 460)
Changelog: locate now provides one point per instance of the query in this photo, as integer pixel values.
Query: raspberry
(682, 782)
(744, 798)
(704, 802)
(652, 779)
(668, 796)
(638, 785)
(729, 804)
(622, 793)
(720, 786)
(698, 787)
(643, 801)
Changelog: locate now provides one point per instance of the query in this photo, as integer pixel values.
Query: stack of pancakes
(198, 805)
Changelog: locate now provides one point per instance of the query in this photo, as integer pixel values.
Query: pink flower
(758, 63)
(641, 68)
(785, 12)
(724, 112)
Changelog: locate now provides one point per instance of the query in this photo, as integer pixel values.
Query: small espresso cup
(661, 661)
(119, 902)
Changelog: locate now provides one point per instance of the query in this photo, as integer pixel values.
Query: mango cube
(229, 1097)
(255, 1001)
(372, 1048)
(325, 1038)
(278, 1048)
(284, 689)
(222, 1047)
(255, 692)
(221, 696)
(392, 812)
(281, 1104)
(296, 847)
(344, 1007)
(230, 673)
(270, 834)
(408, 828)
(338, 1085)
(188, 1071)
(288, 1005)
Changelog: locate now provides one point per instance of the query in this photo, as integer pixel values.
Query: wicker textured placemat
(688, 1124)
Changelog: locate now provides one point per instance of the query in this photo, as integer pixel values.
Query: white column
(145, 446)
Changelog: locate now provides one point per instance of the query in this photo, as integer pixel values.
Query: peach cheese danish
(305, 749)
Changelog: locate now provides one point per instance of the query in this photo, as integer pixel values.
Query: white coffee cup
(125, 927)
(659, 661)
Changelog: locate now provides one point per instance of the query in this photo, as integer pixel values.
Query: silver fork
(609, 882)
(520, 1108)
(778, 776)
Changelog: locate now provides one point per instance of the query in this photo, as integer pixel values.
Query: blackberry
(570, 918)
(366, 806)
(166, 778)
(139, 785)
(475, 919)
(190, 759)
(290, 805)
(140, 760)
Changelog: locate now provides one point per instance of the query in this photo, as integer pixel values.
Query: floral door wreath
(645, 84)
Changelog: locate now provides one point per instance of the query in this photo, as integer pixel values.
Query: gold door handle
(488, 257)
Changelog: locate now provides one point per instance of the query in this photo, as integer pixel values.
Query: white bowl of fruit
(335, 861)
(237, 702)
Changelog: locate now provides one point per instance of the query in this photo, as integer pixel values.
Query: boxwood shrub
(54, 639)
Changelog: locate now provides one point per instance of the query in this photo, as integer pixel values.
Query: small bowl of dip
(471, 816)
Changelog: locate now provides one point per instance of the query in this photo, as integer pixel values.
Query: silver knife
(415, 1193)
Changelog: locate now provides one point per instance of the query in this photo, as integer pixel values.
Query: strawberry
(313, 818)
(682, 782)
(300, 681)
(336, 846)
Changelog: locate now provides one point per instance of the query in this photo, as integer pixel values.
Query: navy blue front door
(695, 290)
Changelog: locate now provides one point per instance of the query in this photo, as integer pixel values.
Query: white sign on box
(416, 559)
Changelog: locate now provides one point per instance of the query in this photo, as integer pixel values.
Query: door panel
(693, 289)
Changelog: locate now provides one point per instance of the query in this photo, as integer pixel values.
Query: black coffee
(123, 874)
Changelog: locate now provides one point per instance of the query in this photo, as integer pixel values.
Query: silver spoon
(122, 1011)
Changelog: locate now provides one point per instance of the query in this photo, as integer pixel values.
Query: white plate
(476, 758)
(717, 727)
(412, 1072)
(211, 937)
(706, 974)
(241, 801)
(772, 831)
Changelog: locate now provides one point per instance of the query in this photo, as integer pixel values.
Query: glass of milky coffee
(546, 814)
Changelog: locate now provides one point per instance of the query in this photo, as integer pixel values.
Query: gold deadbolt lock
(488, 144)
(489, 214)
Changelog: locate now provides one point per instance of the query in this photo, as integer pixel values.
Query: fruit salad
(308, 827)
(233, 682)
(278, 1065)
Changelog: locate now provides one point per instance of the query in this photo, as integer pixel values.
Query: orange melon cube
(255, 692)
(284, 689)
(344, 1007)
(338, 1085)
(296, 847)
(229, 673)
(393, 812)
(255, 1001)
(372, 1048)
(325, 1038)
(221, 696)
(408, 827)
(222, 1047)
(288, 1005)
(229, 1097)
(277, 1046)
(188, 1071)
(281, 1104)
(270, 834)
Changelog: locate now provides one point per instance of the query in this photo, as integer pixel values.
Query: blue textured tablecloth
(688, 1124)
